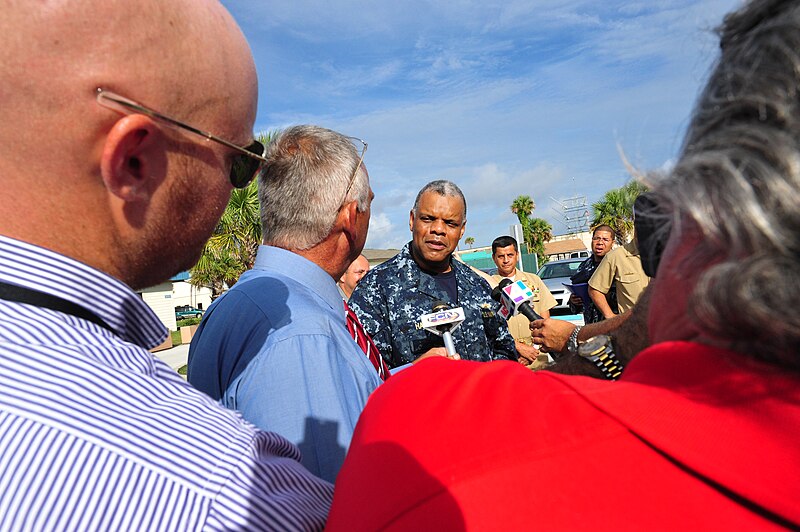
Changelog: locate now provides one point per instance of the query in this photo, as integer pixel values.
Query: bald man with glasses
(105, 114)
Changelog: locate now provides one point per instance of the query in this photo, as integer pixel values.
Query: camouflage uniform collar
(407, 250)
(413, 275)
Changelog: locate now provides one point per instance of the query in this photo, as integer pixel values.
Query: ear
(133, 160)
(463, 228)
(411, 220)
(349, 219)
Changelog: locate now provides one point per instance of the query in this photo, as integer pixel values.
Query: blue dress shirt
(276, 348)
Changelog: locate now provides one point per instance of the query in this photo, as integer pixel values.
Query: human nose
(438, 227)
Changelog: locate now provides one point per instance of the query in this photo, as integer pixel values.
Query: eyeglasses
(355, 172)
(246, 163)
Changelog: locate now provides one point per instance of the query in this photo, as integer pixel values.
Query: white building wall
(184, 293)
(159, 298)
(163, 299)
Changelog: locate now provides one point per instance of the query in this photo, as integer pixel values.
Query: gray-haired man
(276, 346)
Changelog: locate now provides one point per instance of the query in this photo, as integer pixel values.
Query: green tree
(535, 231)
(615, 209)
(232, 248)
(469, 241)
(540, 232)
(523, 206)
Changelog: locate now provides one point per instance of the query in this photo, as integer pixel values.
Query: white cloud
(502, 97)
(383, 233)
(341, 80)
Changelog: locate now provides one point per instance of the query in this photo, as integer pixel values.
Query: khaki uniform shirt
(519, 325)
(621, 267)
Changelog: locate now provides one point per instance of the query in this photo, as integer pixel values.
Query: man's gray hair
(303, 185)
(738, 181)
(443, 188)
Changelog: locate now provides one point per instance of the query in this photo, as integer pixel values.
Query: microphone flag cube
(512, 296)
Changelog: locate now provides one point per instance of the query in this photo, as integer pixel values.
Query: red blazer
(691, 438)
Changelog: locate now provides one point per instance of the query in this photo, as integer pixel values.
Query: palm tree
(535, 231)
(469, 241)
(540, 231)
(215, 272)
(615, 209)
(523, 206)
(232, 248)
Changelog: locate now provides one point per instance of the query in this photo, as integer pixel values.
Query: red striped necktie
(365, 342)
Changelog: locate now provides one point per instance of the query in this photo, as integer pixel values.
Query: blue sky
(502, 97)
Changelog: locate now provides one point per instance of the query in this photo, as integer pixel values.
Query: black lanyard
(20, 294)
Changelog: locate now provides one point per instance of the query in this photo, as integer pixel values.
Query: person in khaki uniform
(622, 268)
(505, 252)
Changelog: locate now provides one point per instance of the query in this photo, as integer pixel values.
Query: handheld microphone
(443, 321)
(513, 297)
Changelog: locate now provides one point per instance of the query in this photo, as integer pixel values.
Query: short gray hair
(738, 181)
(443, 188)
(303, 185)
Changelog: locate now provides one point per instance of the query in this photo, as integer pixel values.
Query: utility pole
(575, 213)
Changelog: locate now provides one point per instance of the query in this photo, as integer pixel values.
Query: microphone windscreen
(497, 291)
(440, 305)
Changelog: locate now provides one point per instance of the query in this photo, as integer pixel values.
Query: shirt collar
(302, 270)
(41, 269)
(632, 248)
(409, 255)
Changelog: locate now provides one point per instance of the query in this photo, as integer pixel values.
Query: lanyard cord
(20, 294)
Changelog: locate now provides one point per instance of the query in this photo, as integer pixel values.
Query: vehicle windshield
(560, 269)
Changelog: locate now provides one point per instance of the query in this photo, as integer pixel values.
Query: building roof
(564, 246)
(183, 276)
(374, 255)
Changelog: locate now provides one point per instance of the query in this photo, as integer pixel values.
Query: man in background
(393, 295)
(602, 242)
(354, 273)
(99, 163)
(505, 254)
(701, 430)
(276, 346)
(621, 269)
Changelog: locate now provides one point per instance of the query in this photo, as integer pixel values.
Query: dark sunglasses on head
(652, 231)
(246, 162)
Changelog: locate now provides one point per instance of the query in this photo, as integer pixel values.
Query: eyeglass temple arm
(109, 99)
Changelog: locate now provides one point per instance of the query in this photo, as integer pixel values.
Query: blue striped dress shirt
(97, 434)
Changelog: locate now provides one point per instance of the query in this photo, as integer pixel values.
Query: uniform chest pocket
(629, 278)
(418, 339)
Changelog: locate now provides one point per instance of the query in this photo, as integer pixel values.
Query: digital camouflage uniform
(390, 299)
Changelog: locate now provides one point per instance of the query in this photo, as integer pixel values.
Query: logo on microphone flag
(514, 295)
